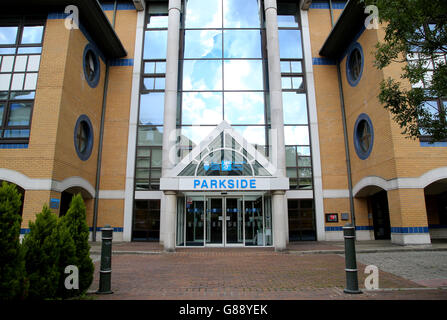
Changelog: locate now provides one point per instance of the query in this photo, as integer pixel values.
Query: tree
(12, 264)
(42, 252)
(416, 36)
(75, 221)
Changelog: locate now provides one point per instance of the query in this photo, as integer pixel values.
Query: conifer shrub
(42, 253)
(75, 221)
(13, 283)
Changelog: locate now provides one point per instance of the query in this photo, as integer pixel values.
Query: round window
(354, 64)
(83, 137)
(363, 136)
(91, 66)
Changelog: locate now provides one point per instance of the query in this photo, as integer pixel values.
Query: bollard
(352, 283)
(105, 273)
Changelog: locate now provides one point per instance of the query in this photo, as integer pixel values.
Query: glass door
(234, 221)
(214, 221)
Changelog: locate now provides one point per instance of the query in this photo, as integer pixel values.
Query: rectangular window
(20, 55)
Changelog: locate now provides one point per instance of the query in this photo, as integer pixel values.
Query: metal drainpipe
(345, 130)
(101, 137)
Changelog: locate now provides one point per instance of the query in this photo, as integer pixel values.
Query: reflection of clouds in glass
(242, 44)
(155, 44)
(243, 75)
(203, 44)
(241, 14)
(244, 107)
(151, 108)
(199, 15)
(202, 75)
(295, 108)
(32, 34)
(290, 44)
(194, 135)
(253, 135)
(8, 35)
(201, 108)
(298, 135)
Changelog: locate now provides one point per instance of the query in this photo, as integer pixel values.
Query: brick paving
(242, 274)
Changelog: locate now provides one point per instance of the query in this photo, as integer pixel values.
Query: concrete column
(279, 205)
(279, 226)
(167, 225)
(171, 87)
(276, 106)
(170, 214)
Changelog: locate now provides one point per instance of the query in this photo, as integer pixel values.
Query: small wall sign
(331, 217)
(54, 203)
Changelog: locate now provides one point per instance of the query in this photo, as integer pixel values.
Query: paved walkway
(144, 271)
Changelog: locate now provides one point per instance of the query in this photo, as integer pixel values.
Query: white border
(313, 124)
(133, 123)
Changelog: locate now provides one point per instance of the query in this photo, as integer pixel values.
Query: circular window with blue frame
(91, 66)
(363, 136)
(354, 64)
(83, 137)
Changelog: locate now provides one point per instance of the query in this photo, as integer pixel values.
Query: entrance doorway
(224, 221)
(381, 216)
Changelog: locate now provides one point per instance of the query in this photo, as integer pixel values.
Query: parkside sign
(223, 184)
(229, 183)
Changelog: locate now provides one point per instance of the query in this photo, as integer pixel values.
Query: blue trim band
(358, 228)
(115, 229)
(323, 62)
(433, 145)
(14, 146)
(409, 229)
(325, 5)
(121, 62)
(120, 6)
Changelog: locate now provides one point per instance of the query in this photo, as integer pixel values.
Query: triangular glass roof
(227, 153)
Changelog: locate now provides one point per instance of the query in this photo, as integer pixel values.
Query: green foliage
(414, 26)
(67, 257)
(76, 223)
(12, 266)
(42, 253)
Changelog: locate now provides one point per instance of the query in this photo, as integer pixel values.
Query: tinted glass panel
(5, 80)
(287, 21)
(243, 75)
(22, 95)
(191, 136)
(30, 50)
(290, 44)
(241, 14)
(8, 35)
(151, 108)
(2, 109)
(203, 44)
(242, 44)
(152, 136)
(291, 156)
(32, 35)
(295, 108)
(244, 107)
(253, 135)
(202, 75)
(20, 114)
(201, 108)
(298, 135)
(199, 15)
(33, 63)
(8, 50)
(22, 133)
(7, 63)
(157, 22)
(30, 81)
(155, 44)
